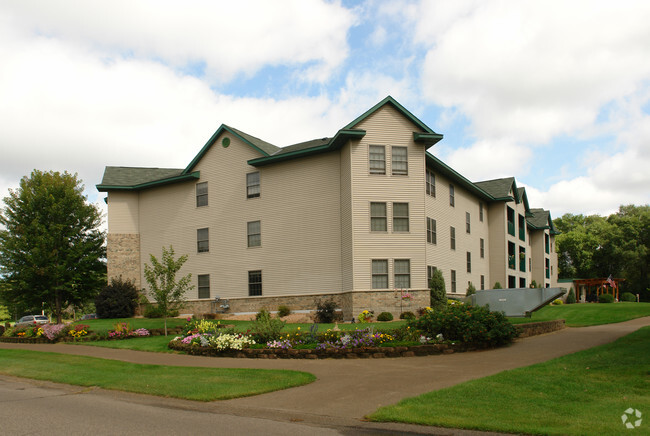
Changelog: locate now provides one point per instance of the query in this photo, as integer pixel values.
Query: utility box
(515, 302)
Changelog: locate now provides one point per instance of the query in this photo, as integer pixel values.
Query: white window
(431, 183)
(453, 280)
(378, 217)
(377, 157)
(254, 234)
(254, 283)
(204, 285)
(402, 270)
(452, 201)
(399, 161)
(482, 248)
(202, 194)
(253, 185)
(452, 237)
(380, 274)
(203, 240)
(432, 237)
(400, 217)
(467, 221)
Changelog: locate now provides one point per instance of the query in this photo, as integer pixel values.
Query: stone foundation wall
(350, 303)
(123, 257)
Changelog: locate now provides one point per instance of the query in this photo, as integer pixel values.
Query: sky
(554, 93)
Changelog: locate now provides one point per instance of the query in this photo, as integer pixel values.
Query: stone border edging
(539, 328)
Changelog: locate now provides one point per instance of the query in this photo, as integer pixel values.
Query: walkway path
(347, 390)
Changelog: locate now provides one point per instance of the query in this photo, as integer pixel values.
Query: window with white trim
(432, 237)
(203, 240)
(453, 280)
(204, 285)
(379, 274)
(201, 194)
(431, 183)
(467, 223)
(452, 237)
(482, 248)
(469, 262)
(253, 185)
(254, 283)
(399, 161)
(378, 217)
(254, 232)
(400, 217)
(402, 272)
(377, 158)
(452, 200)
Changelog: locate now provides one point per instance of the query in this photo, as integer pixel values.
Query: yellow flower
(298, 328)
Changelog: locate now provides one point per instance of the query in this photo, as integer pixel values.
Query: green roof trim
(263, 147)
(390, 100)
(427, 139)
(136, 179)
(442, 168)
(309, 148)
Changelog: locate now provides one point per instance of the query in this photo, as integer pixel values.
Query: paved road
(347, 390)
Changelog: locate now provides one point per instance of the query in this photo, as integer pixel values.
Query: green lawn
(581, 315)
(582, 393)
(156, 344)
(200, 384)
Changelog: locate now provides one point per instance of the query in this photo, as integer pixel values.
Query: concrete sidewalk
(347, 390)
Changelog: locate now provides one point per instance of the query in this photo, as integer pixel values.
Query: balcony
(522, 263)
(512, 264)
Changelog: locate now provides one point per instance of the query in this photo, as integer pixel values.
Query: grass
(582, 315)
(157, 344)
(199, 384)
(582, 393)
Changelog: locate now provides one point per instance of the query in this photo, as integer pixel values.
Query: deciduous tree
(51, 249)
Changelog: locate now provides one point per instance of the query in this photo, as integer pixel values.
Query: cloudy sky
(555, 93)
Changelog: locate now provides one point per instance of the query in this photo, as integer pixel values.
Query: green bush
(284, 311)
(497, 285)
(471, 290)
(557, 302)
(628, 296)
(407, 315)
(571, 298)
(471, 325)
(119, 299)
(152, 311)
(265, 328)
(438, 295)
(385, 316)
(605, 298)
(326, 311)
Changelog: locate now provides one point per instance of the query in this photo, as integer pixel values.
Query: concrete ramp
(515, 301)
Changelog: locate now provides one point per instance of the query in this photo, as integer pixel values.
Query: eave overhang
(155, 183)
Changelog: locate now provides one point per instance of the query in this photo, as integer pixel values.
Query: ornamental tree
(168, 292)
(52, 253)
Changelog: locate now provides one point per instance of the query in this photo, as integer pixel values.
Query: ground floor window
(380, 274)
(512, 282)
(204, 285)
(453, 281)
(482, 282)
(254, 283)
(522, 282)
(402, 270)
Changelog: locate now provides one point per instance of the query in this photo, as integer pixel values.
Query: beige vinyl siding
(299, 211)
(123, 209)
(441, 255)
(387, 127)
(347, 241)
(537, 249)
(498, 252)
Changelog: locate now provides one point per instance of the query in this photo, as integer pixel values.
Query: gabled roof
(500, 189)
(135, 178)
(263, 147)
(426, 136)
(442, 168)
(540, 219)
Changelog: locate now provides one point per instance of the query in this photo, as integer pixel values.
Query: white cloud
(227, 37)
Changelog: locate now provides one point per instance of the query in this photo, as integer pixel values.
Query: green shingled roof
(541, 219)
(498, 188)
(134, 176)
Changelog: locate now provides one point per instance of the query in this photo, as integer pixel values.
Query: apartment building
(362, 217)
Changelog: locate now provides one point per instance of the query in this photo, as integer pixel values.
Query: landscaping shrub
(326, 311)
(265, 328)
(571, 298)
(471, 290)
(472, 325)
(497, 285)
(385, 316)
(628, 296)
(605, 298)
(284, 311)
(407, 315)
(557, 302)
(119, 299)
(366, 316)
(438, 295)
(152, 311)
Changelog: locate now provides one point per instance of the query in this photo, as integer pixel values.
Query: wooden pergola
(584, 287)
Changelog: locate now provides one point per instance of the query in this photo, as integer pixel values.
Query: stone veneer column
(123, 257)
